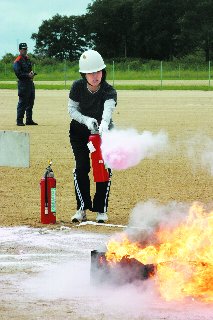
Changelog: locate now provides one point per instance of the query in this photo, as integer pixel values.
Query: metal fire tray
(125, 271)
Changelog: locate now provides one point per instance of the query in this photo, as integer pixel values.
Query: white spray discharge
(148, 216)
(200, 151)
(122, 149)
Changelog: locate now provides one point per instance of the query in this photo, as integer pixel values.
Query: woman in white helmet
(91, 104)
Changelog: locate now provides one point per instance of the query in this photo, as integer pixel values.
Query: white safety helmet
(91, 61)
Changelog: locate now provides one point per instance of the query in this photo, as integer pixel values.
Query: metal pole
(161, 74)
(65, 74)
(113, 72)
(209, 73)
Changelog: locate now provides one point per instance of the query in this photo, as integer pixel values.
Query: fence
(162, 74)
(153, 72)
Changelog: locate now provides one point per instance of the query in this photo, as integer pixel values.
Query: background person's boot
(31, 123)
(20, 122)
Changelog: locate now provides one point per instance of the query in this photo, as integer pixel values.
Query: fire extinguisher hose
(46, 190)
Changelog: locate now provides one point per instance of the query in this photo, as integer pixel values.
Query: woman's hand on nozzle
(92, 124)
(104, 126)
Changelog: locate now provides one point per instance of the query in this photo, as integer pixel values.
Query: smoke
(146, 217)
(65, 281)
(109, 298)
(200, 151)
(68, 284)
(51, 271)
(122, 149)
(150, 214)
(71, 281)
(65, 288)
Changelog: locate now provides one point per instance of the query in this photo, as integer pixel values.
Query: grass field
(204, 85)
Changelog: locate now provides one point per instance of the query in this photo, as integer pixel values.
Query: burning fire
(183, 256)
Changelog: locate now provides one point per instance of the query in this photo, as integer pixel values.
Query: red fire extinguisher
(48, 196)
(100, 172)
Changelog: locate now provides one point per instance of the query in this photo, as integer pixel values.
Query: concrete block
(14, 149)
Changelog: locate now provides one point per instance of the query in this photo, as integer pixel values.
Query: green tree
(61, 37)
(157, 28)
(110, 24)
(197, 27)
(148, 29)
(8, 58)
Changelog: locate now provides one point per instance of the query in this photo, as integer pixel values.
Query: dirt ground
(170, 176)
(167, 177)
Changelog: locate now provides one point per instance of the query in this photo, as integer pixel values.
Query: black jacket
(92, 104)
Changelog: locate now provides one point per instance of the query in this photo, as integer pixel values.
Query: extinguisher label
(91, 147)
(53, 199)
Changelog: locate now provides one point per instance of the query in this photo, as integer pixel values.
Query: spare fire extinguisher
(100, 172)
(48, 196)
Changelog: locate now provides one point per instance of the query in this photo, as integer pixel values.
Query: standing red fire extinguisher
(48, 196)
(100, 172)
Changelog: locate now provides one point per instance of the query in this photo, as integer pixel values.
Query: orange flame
(183, 256)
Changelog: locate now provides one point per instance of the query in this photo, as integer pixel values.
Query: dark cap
(22, 45)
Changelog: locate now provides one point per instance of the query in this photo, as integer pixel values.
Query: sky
(19, 19)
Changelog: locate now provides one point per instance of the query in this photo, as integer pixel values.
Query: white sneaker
(101, 217)
(79, 216)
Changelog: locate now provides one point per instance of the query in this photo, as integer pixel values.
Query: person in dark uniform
(26, 90)
(91, 104)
